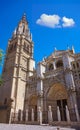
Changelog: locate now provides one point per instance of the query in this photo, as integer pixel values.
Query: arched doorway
(33, 105)
(57, 96)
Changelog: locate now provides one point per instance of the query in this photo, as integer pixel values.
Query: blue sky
(65, 29)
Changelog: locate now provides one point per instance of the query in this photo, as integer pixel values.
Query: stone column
(10, 119)
(16, 117)
(40, 115)
(50, 119)
(54, 65)
(26, 116)
(40, 99)
(21, 116)
(77, 114)
(32, 115)
(67, 114)
(58, 114)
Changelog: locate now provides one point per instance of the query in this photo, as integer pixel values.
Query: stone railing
(45, 116)
(58, 71)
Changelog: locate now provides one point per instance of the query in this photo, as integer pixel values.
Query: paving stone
(30, 127)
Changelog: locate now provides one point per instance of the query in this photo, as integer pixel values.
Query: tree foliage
(1, 80)
(1, 58)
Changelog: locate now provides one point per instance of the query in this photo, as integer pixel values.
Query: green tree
(1, 58)
(1, 80)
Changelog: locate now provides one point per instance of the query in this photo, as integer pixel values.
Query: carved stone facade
(54, 84)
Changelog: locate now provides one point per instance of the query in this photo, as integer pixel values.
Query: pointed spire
(24, 17)
(23, 29)
(55, 49)
(73, 49)
(15, 31)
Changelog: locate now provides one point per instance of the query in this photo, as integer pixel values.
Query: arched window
(51, 67)
(74, 66)
(23, 28)
(26, 47)
(59, 64)
(12, 47)
(77, 65)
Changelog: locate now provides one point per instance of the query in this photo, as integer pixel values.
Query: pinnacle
(24, 17)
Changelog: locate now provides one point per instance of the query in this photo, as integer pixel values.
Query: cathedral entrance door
(62, 106)
(33, 105)
(57, 96)
(35, 113)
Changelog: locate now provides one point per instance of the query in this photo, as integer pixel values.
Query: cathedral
(48, 93)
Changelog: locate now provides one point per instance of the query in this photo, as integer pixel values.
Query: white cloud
(49, 20)
(67, 22)
(55, 21)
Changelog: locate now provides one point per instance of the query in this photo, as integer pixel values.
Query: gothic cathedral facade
(54, 84)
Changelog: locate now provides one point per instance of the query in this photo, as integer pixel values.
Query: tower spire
(23, 28)
(24, 17)
(73, 49)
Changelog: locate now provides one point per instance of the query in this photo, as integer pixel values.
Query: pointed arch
(33, 100)
(57, 91)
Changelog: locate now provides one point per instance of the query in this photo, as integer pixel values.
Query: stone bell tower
(19, 65)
